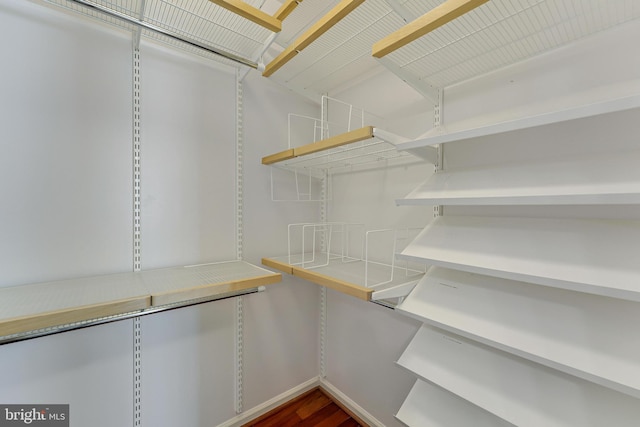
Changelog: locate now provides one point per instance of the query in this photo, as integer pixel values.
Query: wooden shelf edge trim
(285, 10)
(278, 265)
(203, 291)
(72, 315)
(334, 16)
(350, 137)
(336, 284)
(278, 157)
(436, 17)
(251, 13)
(335, 141)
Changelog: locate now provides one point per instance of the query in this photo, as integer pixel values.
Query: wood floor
(314, 408)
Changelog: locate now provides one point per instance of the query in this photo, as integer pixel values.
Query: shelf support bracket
(421, 86)
(401, 10)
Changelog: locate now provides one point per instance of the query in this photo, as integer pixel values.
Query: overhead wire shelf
(499, 33)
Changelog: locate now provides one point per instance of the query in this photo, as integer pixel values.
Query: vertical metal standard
(438, 119)
(324, 206)
(239, 320)
(137, 259)
(239, 354)
(323, 331)
(323, 290)
(137, 372)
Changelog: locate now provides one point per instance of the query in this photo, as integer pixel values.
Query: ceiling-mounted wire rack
(495, 34)
(499, 33)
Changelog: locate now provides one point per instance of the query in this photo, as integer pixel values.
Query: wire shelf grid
(502, 32)
(350, 251)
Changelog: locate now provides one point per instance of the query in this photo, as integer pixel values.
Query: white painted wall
(66, 186)
(66, 143)
(281, 324)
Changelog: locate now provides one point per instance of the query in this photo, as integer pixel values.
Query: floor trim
(348, 405)
(355, 410)
(271, 404)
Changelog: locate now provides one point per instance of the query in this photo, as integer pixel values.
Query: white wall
(66, 185)
(281, 324)
(66, 142)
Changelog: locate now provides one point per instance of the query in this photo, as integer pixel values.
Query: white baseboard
(296, 391)
(356, 409)
(270, 404)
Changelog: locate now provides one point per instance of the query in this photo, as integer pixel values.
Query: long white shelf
(608, 178)
(593, 256)
(514, 389)
(44, 307)
(431, 406)
(573, 117)
(565, 330)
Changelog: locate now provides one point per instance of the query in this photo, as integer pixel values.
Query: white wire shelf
(514, 389)
(430, 406)
(189, 26)
(350, 141)
(564, 330)
(43, 307)
(592, 256)
(346, 263)
(500, 33)
(364, 147)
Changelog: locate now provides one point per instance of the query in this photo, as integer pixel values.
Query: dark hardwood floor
(312, 409)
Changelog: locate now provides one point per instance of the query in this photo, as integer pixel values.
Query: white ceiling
(496, 34)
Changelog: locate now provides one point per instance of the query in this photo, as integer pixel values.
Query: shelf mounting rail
(122, 16)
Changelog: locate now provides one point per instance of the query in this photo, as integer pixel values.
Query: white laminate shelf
(564, 330)
(43, 308)
(569, 118)
(609, 178)
(516, 390)
(431, 406)
(592, 256)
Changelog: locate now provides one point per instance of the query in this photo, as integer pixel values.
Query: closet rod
(161, 31)
(115, 318)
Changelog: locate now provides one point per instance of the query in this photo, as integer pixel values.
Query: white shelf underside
(565, 330)
(593, 256)
(514, 389)
(431, 406)
(603, 113)
(610, 178)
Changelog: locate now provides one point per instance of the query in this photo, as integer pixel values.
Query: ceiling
(496, 34)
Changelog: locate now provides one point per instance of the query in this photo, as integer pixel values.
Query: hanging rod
(161, 31)
(115, 318)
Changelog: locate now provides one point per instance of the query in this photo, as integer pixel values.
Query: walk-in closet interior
(429, 209)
